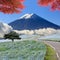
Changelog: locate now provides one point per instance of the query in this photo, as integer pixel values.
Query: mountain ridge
(33, 22)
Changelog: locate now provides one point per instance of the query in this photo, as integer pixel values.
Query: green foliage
(50, 54)
(12, 35)
(23, 50)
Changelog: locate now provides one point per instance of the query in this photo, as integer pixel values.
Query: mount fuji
(32, 22)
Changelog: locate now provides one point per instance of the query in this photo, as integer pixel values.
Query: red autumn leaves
(15, 6)
(54, 4)
(11, 6)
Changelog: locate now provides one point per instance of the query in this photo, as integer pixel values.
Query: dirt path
(56, 46)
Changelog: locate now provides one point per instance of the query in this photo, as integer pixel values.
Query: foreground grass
(23, 50)
(50, 54)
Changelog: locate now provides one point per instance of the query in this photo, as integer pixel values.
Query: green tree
(12, 35)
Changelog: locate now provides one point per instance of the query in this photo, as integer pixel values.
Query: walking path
(56, 46)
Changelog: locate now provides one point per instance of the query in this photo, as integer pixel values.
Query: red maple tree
(15, 6)
(11, 6)
(55, 4)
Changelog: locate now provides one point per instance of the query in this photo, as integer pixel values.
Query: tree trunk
(12, 40)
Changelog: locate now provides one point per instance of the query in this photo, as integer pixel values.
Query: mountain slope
(32, 22)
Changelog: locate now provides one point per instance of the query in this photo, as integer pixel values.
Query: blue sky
(31, 6)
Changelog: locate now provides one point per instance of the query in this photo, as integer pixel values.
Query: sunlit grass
(50, 53)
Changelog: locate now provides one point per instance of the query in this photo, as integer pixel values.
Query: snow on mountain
(4, 29)
(26, 16)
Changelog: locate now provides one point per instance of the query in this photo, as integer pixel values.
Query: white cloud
(25, 32)
(4, 29)
(42, 32)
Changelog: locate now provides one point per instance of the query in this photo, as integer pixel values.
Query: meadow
(22, 50)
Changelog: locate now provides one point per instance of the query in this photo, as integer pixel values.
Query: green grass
(23, 50)
(50, 54)
(26, 50)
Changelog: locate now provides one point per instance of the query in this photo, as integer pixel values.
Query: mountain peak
(26, 16)
(32, 22)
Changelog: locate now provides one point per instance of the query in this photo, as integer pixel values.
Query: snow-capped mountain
(26, 16)
(32, 22)
(4, 29)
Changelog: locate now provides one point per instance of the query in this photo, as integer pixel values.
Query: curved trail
(56, 46)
